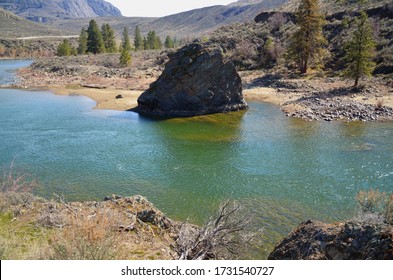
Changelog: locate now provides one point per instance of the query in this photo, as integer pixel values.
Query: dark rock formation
(344, 241)
(197, 80)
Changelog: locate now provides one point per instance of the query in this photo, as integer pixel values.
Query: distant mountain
(13, 26)
(186, 24)
(46, 10)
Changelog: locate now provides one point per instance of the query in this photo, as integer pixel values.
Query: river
(283, 170)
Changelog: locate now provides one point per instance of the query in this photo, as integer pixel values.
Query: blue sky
(156, 8)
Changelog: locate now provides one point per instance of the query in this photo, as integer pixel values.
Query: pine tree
(153, 41)
(126, 44)
(169, 43)
(138, 41)
(95, 43)
(151, 36)
(306, 46)
(125, 58)
(145, 43)
(157, 43)
(360, 50)
(82, 46)
(64, 49)
(108, 35)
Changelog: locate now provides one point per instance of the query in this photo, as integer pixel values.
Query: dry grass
(376, 205)
(91, 237)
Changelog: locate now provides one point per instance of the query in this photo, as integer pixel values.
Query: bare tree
(222, 236)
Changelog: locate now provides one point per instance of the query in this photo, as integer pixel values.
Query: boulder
(197, 80)
(352, 240)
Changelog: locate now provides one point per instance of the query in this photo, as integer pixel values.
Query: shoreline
(325, 99)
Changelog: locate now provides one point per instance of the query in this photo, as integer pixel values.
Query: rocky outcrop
(344, 241)
(197, 80)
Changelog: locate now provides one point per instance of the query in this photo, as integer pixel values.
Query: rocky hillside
(247, 43)
(189, 24)
(13, 26)
(335, 6)
(43, 11)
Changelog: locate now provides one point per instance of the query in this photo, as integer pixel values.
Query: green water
(283, 170)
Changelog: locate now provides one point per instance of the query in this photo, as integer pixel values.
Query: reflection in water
(211, 128)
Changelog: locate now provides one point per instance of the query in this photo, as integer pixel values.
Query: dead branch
(223, 235)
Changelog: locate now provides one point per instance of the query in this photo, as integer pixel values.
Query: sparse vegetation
(374, 203)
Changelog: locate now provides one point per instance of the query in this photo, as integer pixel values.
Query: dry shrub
(245, 50)
(376, 204)
(15, 190)
(13, 181)
(379, 105)
(52, 216)
(86, 238)
(223, 237)
(371, 201)
(389, 210)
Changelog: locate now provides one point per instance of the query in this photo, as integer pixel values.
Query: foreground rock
(344, 241)
(197, 80)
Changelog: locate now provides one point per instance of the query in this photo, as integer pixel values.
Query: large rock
(197, 80)
(343, 241)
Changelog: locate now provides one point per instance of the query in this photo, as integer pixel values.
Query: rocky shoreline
(351, 240)
(329, 99)
(325, 99)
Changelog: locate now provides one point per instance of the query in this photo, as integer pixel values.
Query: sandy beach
(106, 99)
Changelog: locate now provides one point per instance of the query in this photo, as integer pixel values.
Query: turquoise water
(282, 170)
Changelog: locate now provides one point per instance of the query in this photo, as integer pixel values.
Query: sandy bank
(106, 99)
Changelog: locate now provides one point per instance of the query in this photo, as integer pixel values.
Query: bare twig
(221, 235)
(66, 205)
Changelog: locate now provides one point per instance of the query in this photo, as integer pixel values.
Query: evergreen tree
(153, 41)
(108, 35)
(360, 50)
(157, 43)
(126, 44)
(169, 43)
(95, 43)
(307, 42)
(82, 46)
(125, 58)
(145, 44)
(138, 41)
(151, 36)
(64, 49)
